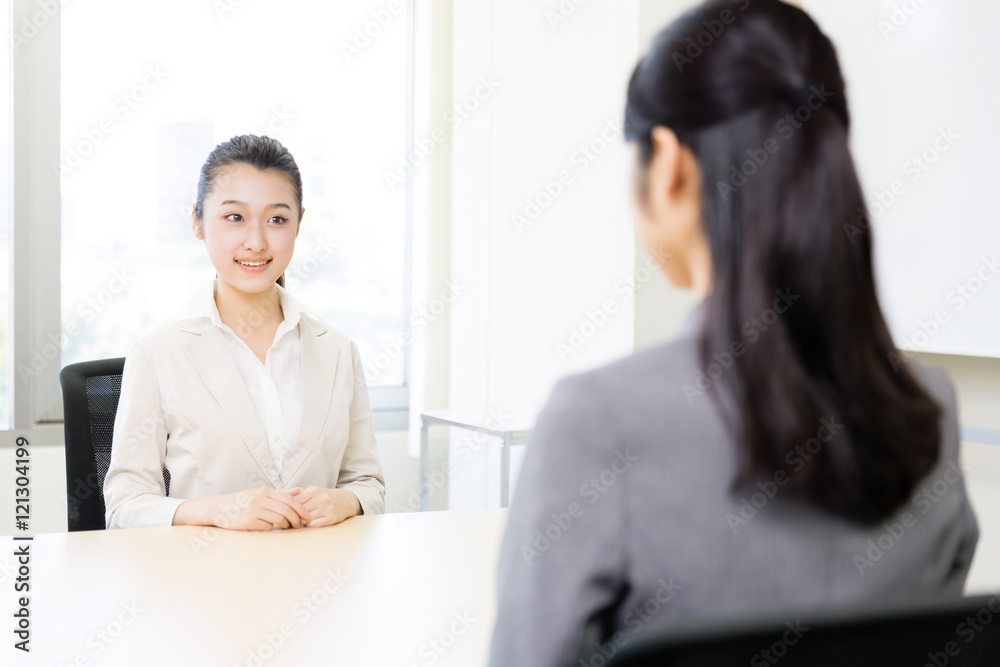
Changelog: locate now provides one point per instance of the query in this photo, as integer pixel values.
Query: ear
(195, 222)
(665, 167)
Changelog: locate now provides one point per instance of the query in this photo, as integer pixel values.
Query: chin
(250, 283)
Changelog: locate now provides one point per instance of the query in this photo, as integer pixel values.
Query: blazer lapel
(319, 367)
(211, 356)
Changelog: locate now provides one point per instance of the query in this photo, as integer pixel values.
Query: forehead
(246, 183)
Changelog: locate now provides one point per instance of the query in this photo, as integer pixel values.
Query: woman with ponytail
(246, 411)
(779, 453)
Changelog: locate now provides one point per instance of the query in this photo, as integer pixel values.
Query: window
(148, 89)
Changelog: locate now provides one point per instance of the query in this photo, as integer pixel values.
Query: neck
(245, 313)
(700, 270)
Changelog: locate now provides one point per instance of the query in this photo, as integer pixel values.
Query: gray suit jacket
(622, 520)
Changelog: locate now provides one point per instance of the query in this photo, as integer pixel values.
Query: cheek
(283, 239)
(221, 237)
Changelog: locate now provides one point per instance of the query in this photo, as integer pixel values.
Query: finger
(321, 521)
(275, 517)
(299, 508)
(288, 515)
(260, 524)
(281, 496)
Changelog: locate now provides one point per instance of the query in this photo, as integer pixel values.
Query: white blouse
(275, 385)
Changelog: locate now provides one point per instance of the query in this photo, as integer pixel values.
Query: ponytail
(814, 393)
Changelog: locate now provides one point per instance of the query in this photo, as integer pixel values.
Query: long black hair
(754, 89)
(262, 152)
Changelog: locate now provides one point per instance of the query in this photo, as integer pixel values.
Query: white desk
(384, 591)
(509, 436)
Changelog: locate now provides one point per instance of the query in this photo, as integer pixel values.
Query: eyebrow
(242, 203)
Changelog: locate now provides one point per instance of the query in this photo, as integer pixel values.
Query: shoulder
(935, 380)
(611, 396)
(313, 325)
(163, 340)
(939, 386)
(658, 374)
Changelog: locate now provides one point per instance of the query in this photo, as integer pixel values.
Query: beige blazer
(184, 407)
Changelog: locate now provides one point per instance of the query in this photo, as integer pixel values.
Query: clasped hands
(264, 508)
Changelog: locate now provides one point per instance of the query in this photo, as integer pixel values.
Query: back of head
(754, 89)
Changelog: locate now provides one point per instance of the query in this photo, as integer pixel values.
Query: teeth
(253, 263)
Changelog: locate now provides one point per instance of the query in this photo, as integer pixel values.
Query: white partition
(921, 84)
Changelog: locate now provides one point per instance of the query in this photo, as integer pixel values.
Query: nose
(254, 240)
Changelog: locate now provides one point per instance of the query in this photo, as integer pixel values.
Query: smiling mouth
(252, 263)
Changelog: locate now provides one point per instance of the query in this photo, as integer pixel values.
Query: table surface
(392, 590)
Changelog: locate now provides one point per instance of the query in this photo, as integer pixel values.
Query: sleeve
(134, 492)
(360, 469)
(562, 565)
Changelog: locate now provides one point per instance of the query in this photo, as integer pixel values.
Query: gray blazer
(622, 520)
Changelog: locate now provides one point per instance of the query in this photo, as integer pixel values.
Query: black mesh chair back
(962, 632)
(90, 401)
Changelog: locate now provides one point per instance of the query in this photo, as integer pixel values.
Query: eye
(280, 220)
(235, 217)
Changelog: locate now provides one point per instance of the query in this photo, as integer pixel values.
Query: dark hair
(258, 151)
(780, 195)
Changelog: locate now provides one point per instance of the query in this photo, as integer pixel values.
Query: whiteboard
(923, 90)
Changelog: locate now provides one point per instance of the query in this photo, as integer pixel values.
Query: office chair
(961, 632)
(90, 401)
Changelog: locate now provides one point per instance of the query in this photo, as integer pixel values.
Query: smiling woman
(264, 406)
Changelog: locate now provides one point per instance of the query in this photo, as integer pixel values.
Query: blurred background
(466, 188)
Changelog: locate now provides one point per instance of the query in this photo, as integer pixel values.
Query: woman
(778, 453)
(255, 410)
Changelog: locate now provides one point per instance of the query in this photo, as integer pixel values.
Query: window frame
(36, 237)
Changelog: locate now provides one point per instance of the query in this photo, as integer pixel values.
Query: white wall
(561, 87)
